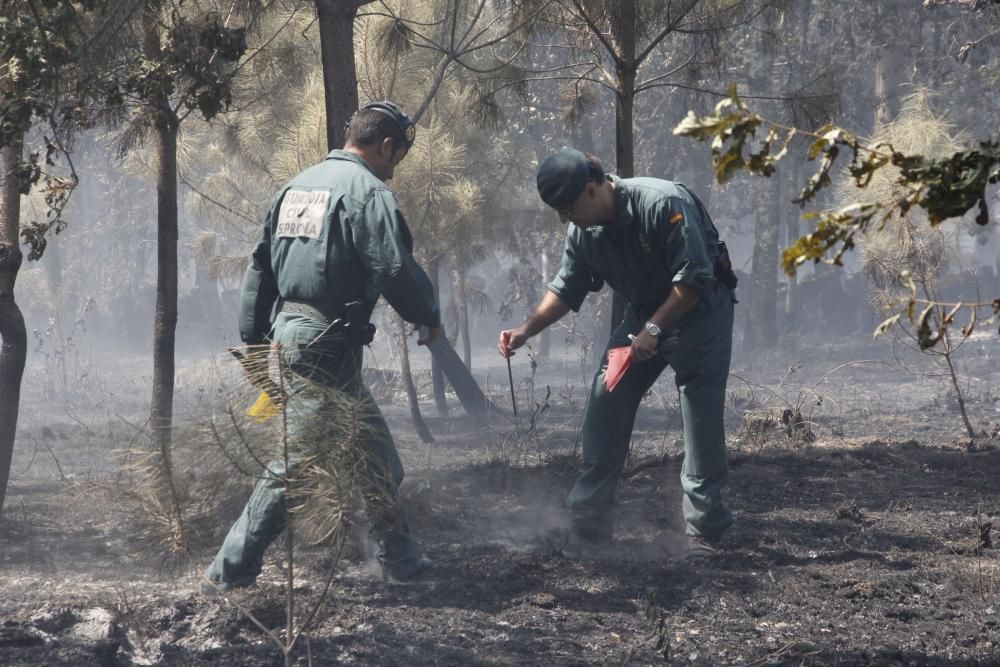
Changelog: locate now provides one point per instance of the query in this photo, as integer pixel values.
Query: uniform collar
(624, 209)
(348, 156)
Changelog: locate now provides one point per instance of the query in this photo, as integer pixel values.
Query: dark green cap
(562, 177)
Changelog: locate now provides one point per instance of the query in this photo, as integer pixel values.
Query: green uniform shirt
(335, 234)
(661, 235)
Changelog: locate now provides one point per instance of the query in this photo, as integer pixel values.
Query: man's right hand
(510, 340)
(548, 311)
(253, 358)
(255, 362)
(427, 335)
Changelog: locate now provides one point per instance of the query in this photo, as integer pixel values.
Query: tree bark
(340, 78)
(799, 40)
(165, 315)
(623, 30)
(437, 375)
(624, 125)
(881, 99)
(794, 229)
(13, 336)
(52, 265)
(604, 321)
(57, 307)
(407, 376)
(545, 338)
(762, 324)
(462, 309)
(165, 126)
(890, 70)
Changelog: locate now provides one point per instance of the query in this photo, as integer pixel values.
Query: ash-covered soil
(870, 544)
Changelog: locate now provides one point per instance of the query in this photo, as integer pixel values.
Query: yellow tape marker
(263, 409)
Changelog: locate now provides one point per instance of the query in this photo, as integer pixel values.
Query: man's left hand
(644, 346)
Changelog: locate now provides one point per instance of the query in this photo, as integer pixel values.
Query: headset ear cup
(393, 110)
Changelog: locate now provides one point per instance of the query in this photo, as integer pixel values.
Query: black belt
(336, 321)
(324, 315)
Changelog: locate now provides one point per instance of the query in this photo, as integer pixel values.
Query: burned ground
(868, 545)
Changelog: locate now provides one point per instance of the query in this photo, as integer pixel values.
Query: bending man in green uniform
(652, 241)
(333, 241)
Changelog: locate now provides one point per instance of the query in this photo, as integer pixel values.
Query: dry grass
(222, 450)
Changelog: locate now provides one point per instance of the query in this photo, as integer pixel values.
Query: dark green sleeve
(259, 290)
(575, 278)
(683, 231)
(385, 246)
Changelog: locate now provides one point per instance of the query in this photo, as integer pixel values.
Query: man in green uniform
(333, 241)
(652, 241)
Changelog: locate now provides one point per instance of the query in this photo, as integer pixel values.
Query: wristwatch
(652, 329)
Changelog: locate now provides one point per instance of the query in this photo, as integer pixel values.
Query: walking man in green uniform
(652, 241)
(333, 241)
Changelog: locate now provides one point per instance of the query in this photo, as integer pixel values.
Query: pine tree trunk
(165, 315)
(890, 68)
(545, 338)
(881, 101)
(407, 376)
(623, 29)
(165, 125)
(51, 263)
(794, 222)
(762, 324)
(13, 336)
(340, 79)
(56, 383)
(625, 166)
(462, 308)
(600, 325)
(624, 148)
(437, 375)
(794, 229)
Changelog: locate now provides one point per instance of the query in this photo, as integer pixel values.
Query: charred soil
(871, 544)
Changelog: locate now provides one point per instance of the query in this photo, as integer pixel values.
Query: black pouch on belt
(344, 326)
(358, 329)
(724, 267)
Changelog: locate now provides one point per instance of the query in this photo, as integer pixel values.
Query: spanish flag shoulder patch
(676, 217)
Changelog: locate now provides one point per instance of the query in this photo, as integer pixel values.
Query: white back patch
(302, 213)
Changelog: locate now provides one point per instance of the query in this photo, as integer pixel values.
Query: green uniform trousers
(699, 351)
(315, 365)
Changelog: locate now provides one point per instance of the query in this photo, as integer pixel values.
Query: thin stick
(513, 398)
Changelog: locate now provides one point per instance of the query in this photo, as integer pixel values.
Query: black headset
(393, 111)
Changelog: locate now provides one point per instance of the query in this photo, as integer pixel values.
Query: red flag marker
(619, 359)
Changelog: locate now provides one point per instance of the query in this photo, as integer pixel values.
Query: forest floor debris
(869, 545)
